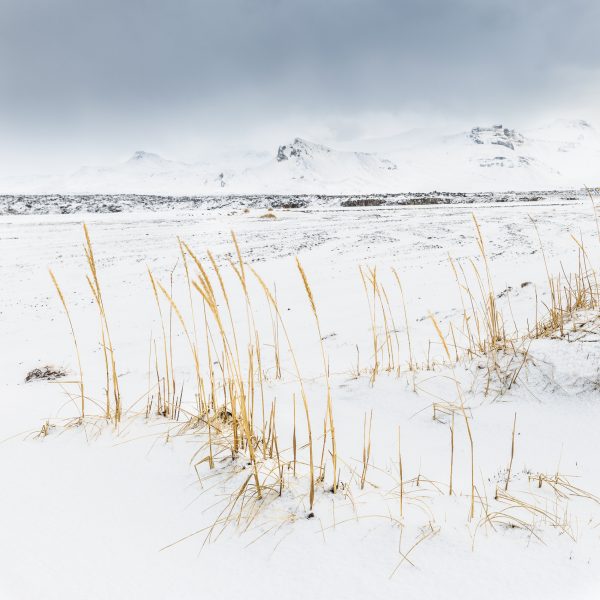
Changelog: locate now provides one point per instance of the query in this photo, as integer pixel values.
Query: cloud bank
(87, 80)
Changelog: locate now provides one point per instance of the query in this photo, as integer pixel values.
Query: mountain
(563, 154)
(143, 172)
(305, 167)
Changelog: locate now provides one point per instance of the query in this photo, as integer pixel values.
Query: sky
(90, 82)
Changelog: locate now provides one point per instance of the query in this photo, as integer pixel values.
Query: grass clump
(235, 417)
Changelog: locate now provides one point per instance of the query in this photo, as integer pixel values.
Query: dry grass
(75, 344)
(236, 425)
(328, 425)
(112, 391)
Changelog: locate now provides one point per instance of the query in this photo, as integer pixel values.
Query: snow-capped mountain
(563, 154)
(306, 167)
(142, 171)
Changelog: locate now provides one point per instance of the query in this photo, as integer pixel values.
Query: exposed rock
(497, 135)
(47, 373)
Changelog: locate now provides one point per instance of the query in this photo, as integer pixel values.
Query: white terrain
(299, 300)
(561, 155)
(410, 412)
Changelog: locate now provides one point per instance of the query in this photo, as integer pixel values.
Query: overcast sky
(86, 81)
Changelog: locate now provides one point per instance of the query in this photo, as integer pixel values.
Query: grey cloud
(85, 67)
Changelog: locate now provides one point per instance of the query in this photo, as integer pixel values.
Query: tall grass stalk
(76, 345)
(329, 403)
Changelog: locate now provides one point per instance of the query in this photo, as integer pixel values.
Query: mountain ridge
(561, 155)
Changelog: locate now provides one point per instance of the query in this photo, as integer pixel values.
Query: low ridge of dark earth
(112, 203)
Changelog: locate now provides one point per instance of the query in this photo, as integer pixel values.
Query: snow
(561, 155)
(86, 510)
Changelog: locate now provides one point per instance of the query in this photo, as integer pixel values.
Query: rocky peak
(142, 156)
(498, 135)
(300, 148)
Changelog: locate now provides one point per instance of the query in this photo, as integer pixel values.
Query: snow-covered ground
(563, 154)
(87, 510)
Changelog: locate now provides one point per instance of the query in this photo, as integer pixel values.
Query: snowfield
(465, 462)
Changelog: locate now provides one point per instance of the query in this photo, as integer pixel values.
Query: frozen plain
(87, 509)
